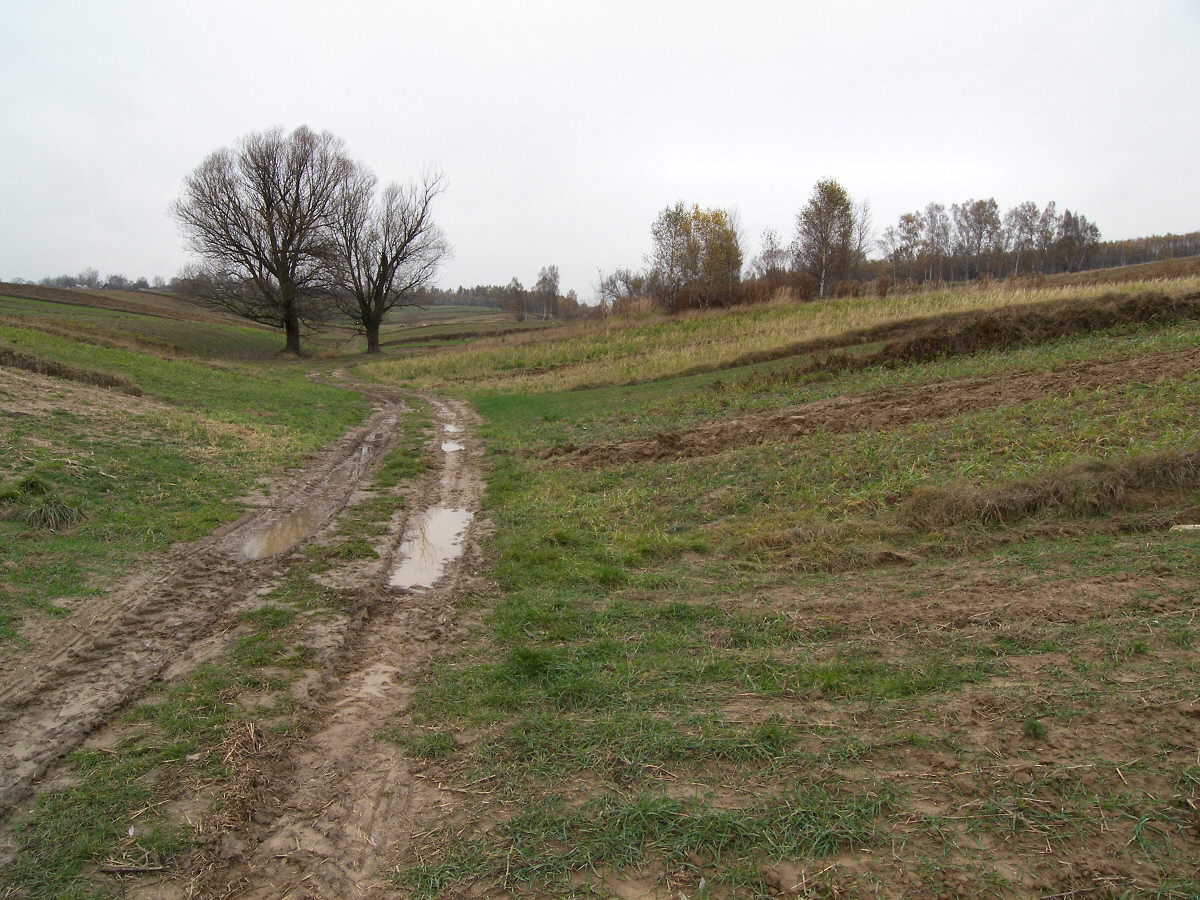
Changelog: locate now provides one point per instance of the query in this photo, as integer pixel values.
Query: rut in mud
(77, 675)
(341, 803)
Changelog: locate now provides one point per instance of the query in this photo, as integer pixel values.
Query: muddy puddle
(451, 446)
(283, 535)
(451, 429)
(436, 541)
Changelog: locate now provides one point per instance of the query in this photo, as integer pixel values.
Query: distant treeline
(90, 278)
(542, 301)
(1147, 249)
(696, 260)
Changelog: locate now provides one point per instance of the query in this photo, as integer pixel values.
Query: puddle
(451, 429)
(438, 540)
(451, 446)
(283, 535)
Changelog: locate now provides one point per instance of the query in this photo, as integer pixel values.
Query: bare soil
(318, 806)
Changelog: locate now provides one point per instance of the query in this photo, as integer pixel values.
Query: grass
(723, 621)
(546, 844)
(591, 355)
(771, 663)
(133, 476)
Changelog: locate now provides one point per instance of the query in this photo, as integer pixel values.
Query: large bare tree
(388, 247)
(259, 215)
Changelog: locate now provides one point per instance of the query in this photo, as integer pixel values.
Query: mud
(345, 802)
(885, 409)
(75, 677)
(331, 798)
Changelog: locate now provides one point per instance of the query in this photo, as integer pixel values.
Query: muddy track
(340, 805)
(76, 675)
(884, 409)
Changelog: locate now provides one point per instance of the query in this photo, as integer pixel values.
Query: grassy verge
(116, 477)
(619, 353)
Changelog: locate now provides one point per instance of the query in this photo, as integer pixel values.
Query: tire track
(75, 678)
(344, 804)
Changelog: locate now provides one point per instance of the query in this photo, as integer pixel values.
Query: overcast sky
(564, 127)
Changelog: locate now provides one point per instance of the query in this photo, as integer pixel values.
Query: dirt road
(337, 797)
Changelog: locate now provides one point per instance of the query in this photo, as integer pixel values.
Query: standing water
(283, 535)
(436, 541)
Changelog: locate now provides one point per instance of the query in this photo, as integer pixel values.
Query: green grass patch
(543, 845)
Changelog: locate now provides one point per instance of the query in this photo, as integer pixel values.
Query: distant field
(145, 302)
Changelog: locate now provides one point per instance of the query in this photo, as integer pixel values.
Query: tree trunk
(291, 328)
(372, 337)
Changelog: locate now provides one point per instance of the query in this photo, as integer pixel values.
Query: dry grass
(653, 348)
(1087, 488)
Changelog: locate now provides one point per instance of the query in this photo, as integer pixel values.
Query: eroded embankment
(883, 410)
(19, 359)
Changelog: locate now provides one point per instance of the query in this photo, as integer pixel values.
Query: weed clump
(50, 514)
(31, 502)
(1033, 729)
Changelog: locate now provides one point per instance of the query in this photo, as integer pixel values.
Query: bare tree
(259, 215)
(863, 238)
(675, 260)
(978, 232)
(545, 292)
(937, 244)
(1077, 240)
(1021, 223)
(388, 248)
(518, 300)
(909, 231)
(1046, 235)
(616, 293)
(825, 241)
(771, 264)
